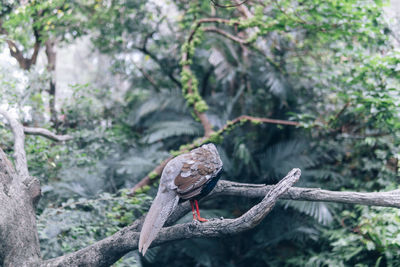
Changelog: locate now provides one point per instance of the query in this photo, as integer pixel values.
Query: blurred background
(110, 73)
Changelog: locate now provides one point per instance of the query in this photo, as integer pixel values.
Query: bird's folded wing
(197, 169)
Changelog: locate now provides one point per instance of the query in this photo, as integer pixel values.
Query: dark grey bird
(189, 176)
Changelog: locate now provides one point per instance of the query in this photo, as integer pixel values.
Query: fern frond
(168, 129)
(283, 156)
(318, 210)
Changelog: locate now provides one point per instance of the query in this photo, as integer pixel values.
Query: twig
(226, 6)
(226, 34)
(46, 133)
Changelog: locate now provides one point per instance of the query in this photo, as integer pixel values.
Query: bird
(189, 176)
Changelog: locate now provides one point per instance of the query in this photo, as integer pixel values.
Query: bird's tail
(162, 207)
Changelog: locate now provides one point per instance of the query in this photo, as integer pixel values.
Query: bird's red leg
(194, 214)
(198, 213)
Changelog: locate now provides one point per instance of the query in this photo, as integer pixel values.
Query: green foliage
(366, 237)
(76, 224)
(326, 64)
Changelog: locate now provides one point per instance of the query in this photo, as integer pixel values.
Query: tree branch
(24, 63)
(110, 249)
(21, 165)
(382, 199)
(227, 6)
(226, 34)
(228, 188)
(190, 88)
(157, 171)
(46, 133)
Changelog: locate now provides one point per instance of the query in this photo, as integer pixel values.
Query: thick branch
(109, 250)
(382, 199)
(19, 151)
(24, 63)
(46, 133)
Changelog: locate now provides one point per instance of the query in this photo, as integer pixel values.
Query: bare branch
(46, 133)
(21, 165)
(110, 249)
(147, 76)
(226, 34)
(382, 199)
(24, 63)
(226, 6)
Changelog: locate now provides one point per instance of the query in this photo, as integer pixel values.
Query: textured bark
(382, 199)
(19, 242)
(19, 193)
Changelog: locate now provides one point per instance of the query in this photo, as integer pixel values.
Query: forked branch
(110, 249)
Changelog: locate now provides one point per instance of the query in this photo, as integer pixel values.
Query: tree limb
(157, 171)
(382, 199)
(228, 188)
(226, 34)
(110, 249)
(21, 165)
(46, 133)
(24, 63)
(227, 6)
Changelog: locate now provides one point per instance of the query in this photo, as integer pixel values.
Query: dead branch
(46, 133)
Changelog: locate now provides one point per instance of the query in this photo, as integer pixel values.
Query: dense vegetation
(330, 65)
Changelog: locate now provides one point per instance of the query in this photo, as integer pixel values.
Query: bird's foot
(202, 219)
(195, 219)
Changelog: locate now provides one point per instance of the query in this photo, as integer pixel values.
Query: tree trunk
(19, 242)
(51, 68)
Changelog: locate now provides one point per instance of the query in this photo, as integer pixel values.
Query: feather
(163, 205)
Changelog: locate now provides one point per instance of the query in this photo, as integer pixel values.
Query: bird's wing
(199, 166)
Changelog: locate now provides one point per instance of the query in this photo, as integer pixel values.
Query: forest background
(130, 83)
